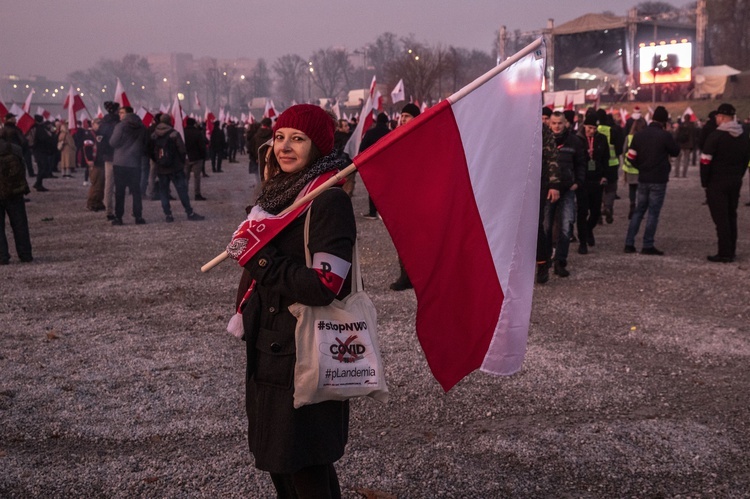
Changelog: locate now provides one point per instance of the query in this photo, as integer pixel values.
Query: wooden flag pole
(304, 199)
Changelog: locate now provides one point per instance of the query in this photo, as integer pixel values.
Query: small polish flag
(3, 109)
(378, 101)
(120, 96)
(688, 114)
(178, 118)
(42, 112)
(397, 95)
(478, 209)
(99, 113)
(146, 117)
(27, 104)
(352, 145)
(196, 101)
(24, 121)
(73, 103)
(270, 109)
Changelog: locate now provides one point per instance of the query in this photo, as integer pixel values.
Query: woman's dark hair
(637, 125)
(273, 167)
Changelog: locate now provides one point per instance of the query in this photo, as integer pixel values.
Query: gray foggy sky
(55, 37)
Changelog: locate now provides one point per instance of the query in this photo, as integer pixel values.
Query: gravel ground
(119, 380)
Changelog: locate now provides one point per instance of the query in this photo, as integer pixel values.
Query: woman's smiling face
(292, 149)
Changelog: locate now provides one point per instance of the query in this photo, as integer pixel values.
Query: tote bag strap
(357, 284)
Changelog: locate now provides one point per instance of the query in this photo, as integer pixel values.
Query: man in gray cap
(649, 152)
(724, 159)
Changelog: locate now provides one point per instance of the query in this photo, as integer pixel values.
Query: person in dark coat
(233, 142)
(195, 145)
(216, 146)
(724, 159)
(45, 148)
(12, 189)
(296, 446)
(571, 162)
(371, 136)
(649, 152)
(170, 170)
(262, 135)
(129, 142)
(589, 198)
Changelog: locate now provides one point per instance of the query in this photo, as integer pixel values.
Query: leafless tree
(290, 70)
(332, 71)
(133, 71)
(728, 32)
(260, 79)
(421, 67)
(210, 80)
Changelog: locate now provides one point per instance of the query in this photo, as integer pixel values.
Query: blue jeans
(180, 184)
(648, 197)
(566, 207)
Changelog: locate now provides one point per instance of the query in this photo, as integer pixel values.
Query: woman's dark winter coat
(283, 439)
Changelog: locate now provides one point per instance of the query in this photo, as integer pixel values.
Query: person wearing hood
(129, 143)
(724, 159)
(167, 150)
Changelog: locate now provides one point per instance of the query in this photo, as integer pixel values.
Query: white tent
(712, 80)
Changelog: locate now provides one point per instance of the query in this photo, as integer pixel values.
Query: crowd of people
(583, 155)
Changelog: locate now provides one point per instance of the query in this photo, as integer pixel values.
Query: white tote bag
(338, 356)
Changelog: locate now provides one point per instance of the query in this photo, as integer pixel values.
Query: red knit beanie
(313, 122)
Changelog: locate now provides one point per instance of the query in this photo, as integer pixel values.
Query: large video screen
(671, 62)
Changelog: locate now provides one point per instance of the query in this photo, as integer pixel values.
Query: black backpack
(165, 151)
(12, 173)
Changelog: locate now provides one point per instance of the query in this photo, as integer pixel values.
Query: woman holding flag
(296, 446)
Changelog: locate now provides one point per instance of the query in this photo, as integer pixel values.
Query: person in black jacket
(217, 144)
(649, 152)
(12, 189)
(724, 159)
(296, 446)
(589, 197)
(195, 144)
(45, 148)
(571, 163)
(371, 136)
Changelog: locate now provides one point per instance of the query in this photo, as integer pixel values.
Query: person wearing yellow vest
(615, 139)
(631, 172)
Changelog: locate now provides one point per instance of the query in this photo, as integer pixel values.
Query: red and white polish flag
(178, 117)
(458, 190)
(365, 122)
(73, 103)
(27, 104)
(120, 96)
(3, 108)
(24, 121)
(146, 117)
